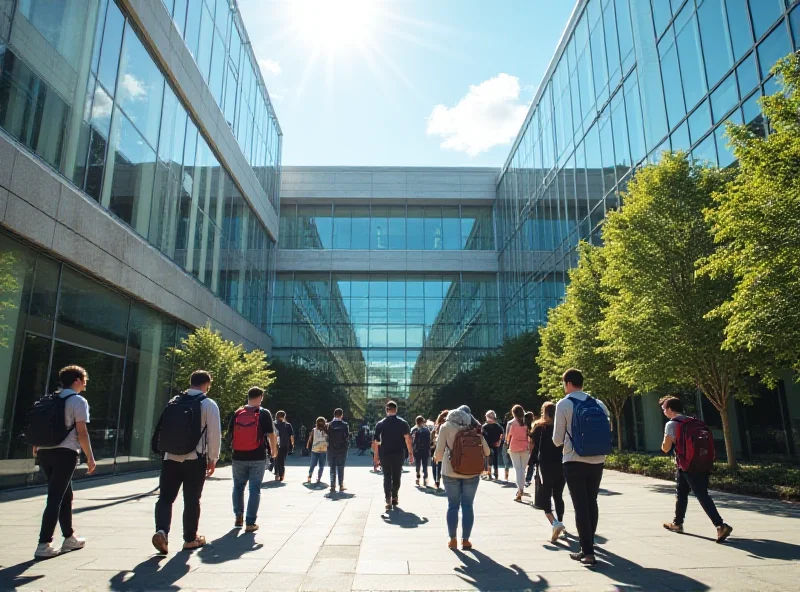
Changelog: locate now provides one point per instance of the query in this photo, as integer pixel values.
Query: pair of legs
(191, 474)
(460, 494)
(280, 462)
(250, 473)
(336, 460)
(58, 465)
(436, 468)
(317, 458)
(553, 483)
(392, 463)
(696, 483)
(422, 460)
(583, 480)
(519, 460)
(494, 460)
(531, 468)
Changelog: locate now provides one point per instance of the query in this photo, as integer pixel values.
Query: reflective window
(179, 15)
(706, 151)
(700, 121)
(109, 54)
(680, 138)
(670, 71)
(662, 13)
(764, 14)
(775, 47)
(717, 49)
(141, 86)
(691, 60)
(739, 23)
(794, 19)
(747, 74)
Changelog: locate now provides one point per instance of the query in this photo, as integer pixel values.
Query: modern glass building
(139, 184)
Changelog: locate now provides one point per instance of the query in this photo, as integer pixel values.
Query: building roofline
(365, 169)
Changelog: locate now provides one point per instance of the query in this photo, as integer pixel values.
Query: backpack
(45, 423)
(282, 428)
(466, 456)
(338, 435)
(246, 429)
(694, 446)
(422, 440)
(179, 428)
(591, 430)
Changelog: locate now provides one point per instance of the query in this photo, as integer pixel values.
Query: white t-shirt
(76, 409)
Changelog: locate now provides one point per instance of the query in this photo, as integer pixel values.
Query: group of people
(568, 442)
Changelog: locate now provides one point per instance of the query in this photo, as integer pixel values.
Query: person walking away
(392, 439)
(506, 457)
(551, 471)
(493, 434)
(583, 427)
(250, 428)
(56, 427)
(188, 434)
(338, 445)
(318, 444)
(437, 466)
(285, 444)
(518, 447)
(421, 441)
(461, 449)
(361, 440)
(531, 464)
(693, 445)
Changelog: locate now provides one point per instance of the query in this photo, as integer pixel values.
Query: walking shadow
(115, 501)
(316, 486)
(339, 496)
(632, 575)
(432, 491)
(229, 547)
(272, 484)
(148, 576)
(12, 578)
(482, 572)
(403, 519)
(758, 548)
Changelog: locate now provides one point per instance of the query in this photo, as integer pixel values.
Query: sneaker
(239, 521)
(672, 527)
(46, 551)
(251, 528)
(466, 545)
(723, 532)
(452, 544)
(558, 529)
(199, 541)
(73, 543)
(160, 542)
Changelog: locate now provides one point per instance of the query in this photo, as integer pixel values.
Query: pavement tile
(272, 582)
(382, 567)
(333, 566)
(327, 583)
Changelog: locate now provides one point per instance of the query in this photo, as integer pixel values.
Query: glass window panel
(700, 121)
(717, 49)
(112, 41)
(360, 237)
(599, 64)
(747, 73)
(724, 152)
(379, 228)
(206, 43)
(451, 229)
(794, 20)
(98, 35)
(670, 71)
(634, 119)
(218, 69)
(221, 15)
(324, 224)
(342, 227)
(173, 131)
(179, 15)
(753, 118)
(662, 14)
(680, 138)
(433, 228)
(691, 60)
(724, 98)
(775, 47)
(739, 23)
(141, 86)
(706, 151)
(397, 228)
(612, 44)
(765, 13)
(624, 29)
(194, 17)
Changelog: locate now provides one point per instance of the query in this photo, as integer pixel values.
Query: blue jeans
(460, 492)
(336, 460)
(244, 472)
(317, 458)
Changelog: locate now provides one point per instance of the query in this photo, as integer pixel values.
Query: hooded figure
(462, 417)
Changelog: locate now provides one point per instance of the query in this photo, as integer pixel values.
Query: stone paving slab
(310, 541)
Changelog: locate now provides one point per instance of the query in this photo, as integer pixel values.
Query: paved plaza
(310, 542)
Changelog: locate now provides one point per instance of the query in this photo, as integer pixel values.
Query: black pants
(392, 463)
(494, 458)
(553, 482)
(697, 483)
(421, 460)
(531, 468)
(192, 475)
(280, 461)
(583, 480)
(336, 461)
(58, 465)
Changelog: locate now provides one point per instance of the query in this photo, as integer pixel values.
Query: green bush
(769, 479)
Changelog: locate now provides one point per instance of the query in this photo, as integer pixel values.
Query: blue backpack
(590, 430)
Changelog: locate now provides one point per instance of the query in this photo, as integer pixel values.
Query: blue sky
(402, 82)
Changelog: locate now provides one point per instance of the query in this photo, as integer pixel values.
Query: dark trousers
(552, 486)
(494, 458)
(336, 460)
(280, 461)
(697, 483)
(58, 465)
(392, 463)
(421, 460)
(583, 480)
(437, 471)
(192, 475)
(531, 468)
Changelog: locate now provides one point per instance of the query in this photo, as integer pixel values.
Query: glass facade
(399, 227)
(52, 316)
(634, 78)
(80, 89)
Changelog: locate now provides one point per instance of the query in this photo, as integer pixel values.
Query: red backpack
(694, 446)
(246, 435)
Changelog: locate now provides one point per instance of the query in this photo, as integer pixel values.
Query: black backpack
(338, 435)
(45, 423)
(422, 440)
(180, 426)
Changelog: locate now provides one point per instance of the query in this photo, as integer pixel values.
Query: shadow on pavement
(633, 576)
(317, 486)
(11, 577)
(148, 576)
(608, 492)
(338, 496)
(757, 548)
(115, 501)
(403, 519)
(732, 501)
(432, 491)
(272, 484)
(229, 547)
(484, 573)
(81, 484)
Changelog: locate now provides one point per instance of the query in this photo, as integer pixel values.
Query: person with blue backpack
(583, 428)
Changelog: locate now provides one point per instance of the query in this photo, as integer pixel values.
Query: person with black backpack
(285, 444)
(693, 446)
(338, 444)
(421, 440)
(188, 434)
(56, 427)
(583, 428)
(249, 430)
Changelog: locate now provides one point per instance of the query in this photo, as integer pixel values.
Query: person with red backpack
(693, 444)
(249, 430)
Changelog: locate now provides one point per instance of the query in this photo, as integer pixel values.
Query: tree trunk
(726, 431)
(619, 431)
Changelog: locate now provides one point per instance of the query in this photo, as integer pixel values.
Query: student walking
(582, 426)
(188, 434)
(493, 434)
(249, 430)
(338, 445)
(506, 458)
(530, 417)
(462, 450)
(518, 447)
(57, 429)
(285, 444)
(693, 465)
(421, 442)
(391, 441)
(549, 459)
(318, 445)
(437, 465)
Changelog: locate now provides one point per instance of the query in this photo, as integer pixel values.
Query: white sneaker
(558, 528)
(46, 551)
(73, 543)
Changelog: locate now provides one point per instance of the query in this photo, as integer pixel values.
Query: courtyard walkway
(310, 542)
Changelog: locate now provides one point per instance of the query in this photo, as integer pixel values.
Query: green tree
(657, 327)
(551, 359)
(756, 223)
(232, 369)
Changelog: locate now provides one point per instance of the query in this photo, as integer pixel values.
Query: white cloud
(269, 67)
(133, 88)
(489, 115)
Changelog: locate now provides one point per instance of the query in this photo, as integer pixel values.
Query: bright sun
(335, 24)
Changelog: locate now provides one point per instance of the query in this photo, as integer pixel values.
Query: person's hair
(574, 377)
(199, 378)
(69, 374)
(338, 412)
(391, 405)
(672, 403)
(420, 420)
(518, 412)
(255, 392)
(442, 417)
(529, 418)
(548, 412)
(280, 415)
(507, 417)
(321, 423)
